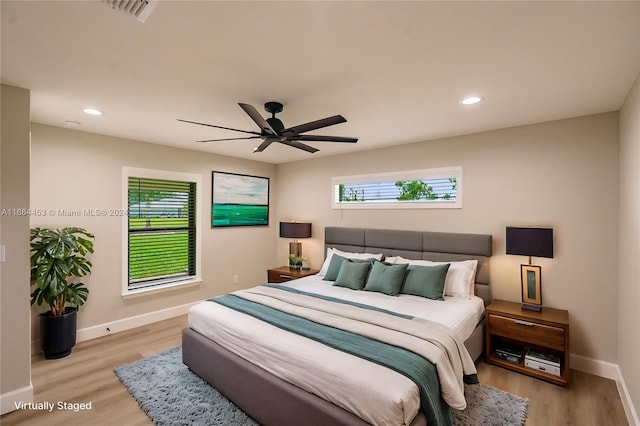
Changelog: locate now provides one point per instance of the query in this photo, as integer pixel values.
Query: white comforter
(390, 398)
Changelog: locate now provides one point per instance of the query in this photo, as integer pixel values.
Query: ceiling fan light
(471, 100)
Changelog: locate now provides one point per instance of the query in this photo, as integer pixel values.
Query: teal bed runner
(422, 372)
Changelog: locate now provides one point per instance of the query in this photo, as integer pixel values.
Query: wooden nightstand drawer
(279, 277)
(531, 332)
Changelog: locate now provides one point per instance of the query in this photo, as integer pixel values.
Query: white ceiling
(395, 70)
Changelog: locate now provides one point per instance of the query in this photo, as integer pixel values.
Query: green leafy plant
(296, 260)
(57, 258)
(415, 190)
(351, 196)
(454, 187)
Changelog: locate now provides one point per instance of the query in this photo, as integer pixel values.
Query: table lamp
(529, 241)
(295, 230)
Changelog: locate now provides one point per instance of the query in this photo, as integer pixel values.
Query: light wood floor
(87, 376)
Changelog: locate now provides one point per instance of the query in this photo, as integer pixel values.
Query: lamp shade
(295, 230)
(537, 242)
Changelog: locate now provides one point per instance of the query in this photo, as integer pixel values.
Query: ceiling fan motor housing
(274, 108)
(276, 124)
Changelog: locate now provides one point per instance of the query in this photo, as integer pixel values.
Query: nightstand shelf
(546, 331)
(284, 274)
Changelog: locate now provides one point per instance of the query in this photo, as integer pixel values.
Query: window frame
(423, 174)
(135, 172)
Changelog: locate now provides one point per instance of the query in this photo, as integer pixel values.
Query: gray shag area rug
(170, 394)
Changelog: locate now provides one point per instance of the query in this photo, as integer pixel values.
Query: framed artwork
(239, 200)
(531, 286)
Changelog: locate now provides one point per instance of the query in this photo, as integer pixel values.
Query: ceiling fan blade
(313, 125)
(264, 144)
(319, 138)
(300, 146)
(219, 127)
(258, 119)
(230, 139)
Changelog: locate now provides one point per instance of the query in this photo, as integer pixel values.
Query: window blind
(161, 231)
(399, 190)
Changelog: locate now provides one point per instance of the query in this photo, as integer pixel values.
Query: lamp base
(295, 248)
(530, 307)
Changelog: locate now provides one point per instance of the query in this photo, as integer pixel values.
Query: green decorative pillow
(334, 267)
(426, 281)
(386, 278)
(352, 274)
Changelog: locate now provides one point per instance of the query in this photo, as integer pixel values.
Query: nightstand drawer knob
(527, 323)
(286, 277)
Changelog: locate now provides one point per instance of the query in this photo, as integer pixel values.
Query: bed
(286, 391)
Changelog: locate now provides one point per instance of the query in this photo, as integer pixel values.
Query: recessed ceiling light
(92, 111)
(471, 100)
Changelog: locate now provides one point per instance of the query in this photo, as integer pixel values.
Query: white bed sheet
(459, 313)
(338, 377)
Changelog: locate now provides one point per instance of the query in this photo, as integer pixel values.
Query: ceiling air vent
(139, 9)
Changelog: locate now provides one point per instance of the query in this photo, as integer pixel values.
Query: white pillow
(346, 254)
(460, 276)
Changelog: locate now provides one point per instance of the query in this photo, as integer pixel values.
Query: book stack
(508, 352)
(542, 361)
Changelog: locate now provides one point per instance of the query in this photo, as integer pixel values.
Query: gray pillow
(386, 278)
(425, 281)
(352, 274)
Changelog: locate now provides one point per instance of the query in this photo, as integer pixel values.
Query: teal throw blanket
(422, 372)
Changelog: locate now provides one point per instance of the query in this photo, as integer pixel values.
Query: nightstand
(284, 274)
(546, 331)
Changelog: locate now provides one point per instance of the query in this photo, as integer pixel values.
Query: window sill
(161, 288)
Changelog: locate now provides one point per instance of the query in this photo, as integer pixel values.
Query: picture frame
(530, 277)
(239, 200)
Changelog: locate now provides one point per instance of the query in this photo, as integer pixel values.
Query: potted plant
(57, 260)
(295, 262)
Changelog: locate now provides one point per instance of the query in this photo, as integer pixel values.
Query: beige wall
(77, 170)
(629, 245)
(15, 350)
(562, 174)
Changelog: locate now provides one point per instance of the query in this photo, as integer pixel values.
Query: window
(424, 189)
(161, 225)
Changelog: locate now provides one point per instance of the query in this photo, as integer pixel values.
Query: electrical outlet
(234, 279)
(2, 251)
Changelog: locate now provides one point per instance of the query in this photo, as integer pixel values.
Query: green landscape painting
(239, 200)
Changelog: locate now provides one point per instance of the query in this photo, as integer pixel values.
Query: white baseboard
(105, 329)
(610, 371)
(596, 367)
(8, 400)
(629, 409)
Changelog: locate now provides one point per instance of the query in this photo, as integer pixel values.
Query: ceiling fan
(272, 129)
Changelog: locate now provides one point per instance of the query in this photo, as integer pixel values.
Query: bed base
(475, 342)
(266, 398)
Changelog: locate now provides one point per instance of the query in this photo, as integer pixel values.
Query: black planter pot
(58, 333)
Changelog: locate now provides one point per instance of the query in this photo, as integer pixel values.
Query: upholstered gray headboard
(425, 245)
